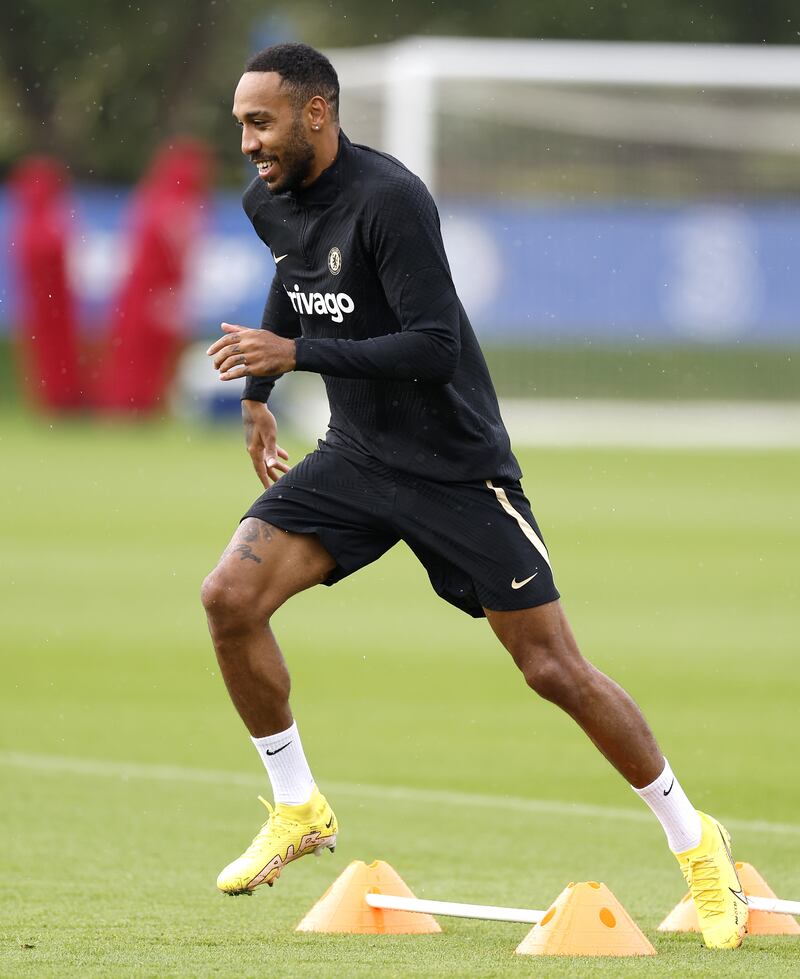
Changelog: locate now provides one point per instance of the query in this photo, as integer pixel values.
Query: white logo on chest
(334, 261)
(333, 304)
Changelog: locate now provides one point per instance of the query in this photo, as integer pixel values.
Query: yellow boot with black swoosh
(710, 872)
(290, 832)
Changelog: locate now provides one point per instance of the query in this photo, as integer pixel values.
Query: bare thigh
(543, 647)
(533, 632)
(263, 565)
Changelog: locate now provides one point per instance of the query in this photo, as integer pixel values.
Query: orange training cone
(342, 907)
(683, 916)
(586, 919)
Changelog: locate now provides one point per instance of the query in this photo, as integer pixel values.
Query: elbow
(442, 375)
(444, 364)
(435, 361)
(445, 349)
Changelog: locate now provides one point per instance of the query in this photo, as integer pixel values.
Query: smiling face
(276, 132)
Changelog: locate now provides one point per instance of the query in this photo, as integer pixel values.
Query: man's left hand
(243, 352)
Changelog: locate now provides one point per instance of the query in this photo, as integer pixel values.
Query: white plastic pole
(452, 910)
(773, 904)
(489, 912)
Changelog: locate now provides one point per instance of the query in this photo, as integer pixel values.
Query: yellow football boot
(289, 833)
(714, 885)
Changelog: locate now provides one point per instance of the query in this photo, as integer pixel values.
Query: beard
(296, 161)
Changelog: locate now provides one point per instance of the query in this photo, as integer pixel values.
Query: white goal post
(403, 77)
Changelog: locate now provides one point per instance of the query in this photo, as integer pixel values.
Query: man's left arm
(405, 241)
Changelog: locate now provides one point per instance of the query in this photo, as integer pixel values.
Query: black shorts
(478, 541)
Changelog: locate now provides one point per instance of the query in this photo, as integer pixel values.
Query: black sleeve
(403, 234)
(279, 318)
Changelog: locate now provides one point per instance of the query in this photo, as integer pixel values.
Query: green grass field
(128, 781)
(646, 371)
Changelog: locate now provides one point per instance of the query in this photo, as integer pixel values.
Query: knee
(545, 675)
(229, 604)
(552, 674)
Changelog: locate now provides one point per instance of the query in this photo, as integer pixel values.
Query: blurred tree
(100, 83)
(711, 21)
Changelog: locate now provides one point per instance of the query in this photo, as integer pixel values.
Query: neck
(326, 149)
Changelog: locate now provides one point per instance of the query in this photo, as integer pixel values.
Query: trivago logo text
(334, 304)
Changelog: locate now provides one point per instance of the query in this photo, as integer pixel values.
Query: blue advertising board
(529, 272)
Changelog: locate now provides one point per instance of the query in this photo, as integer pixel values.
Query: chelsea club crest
(334, 261)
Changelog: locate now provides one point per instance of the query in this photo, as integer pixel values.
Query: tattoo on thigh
(254, 529)
(246, 553)
(250, 531)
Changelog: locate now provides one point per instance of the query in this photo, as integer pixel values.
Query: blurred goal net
(620, 217)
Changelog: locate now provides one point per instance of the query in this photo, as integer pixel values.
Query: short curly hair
(306, 71)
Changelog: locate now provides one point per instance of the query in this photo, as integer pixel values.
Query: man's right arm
(260, 427)
(280, 318)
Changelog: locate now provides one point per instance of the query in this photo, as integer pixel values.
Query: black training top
(363, 285)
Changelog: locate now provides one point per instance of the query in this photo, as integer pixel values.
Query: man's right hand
(260, 434)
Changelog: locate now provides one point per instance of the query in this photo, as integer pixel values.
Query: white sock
(673, 810)
(286, 765)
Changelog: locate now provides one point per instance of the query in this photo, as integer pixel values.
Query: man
(416, 450)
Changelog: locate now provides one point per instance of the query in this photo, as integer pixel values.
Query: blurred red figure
(147, 319)
(46, 324)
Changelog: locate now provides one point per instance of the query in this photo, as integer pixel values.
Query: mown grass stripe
(62, 764)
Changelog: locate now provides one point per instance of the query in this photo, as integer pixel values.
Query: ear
(318, 112)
